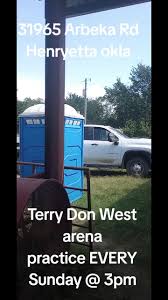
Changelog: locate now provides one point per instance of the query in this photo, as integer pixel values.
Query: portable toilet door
(32, 144)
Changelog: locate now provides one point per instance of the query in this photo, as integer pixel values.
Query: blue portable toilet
(32, 144)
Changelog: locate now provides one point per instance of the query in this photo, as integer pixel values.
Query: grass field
(123, 193)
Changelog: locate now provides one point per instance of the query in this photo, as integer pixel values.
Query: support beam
(54, 94)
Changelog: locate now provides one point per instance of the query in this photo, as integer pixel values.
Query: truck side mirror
(112, 138)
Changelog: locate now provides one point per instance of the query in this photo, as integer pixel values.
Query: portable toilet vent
(32, 142)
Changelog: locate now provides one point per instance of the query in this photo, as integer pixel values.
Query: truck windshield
(118, 132)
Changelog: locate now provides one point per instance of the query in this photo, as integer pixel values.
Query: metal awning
(80, 7)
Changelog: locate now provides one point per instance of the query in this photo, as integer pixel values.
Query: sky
(124, 49)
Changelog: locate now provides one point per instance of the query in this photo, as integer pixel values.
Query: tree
(137, 129)
(76, 102)
(95, 108)
(120, 100)
(141, 89)
(95, 112)
(131, 104)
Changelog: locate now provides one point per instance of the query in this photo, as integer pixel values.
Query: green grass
(123, 193)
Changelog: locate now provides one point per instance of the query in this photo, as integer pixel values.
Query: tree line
(123, 106)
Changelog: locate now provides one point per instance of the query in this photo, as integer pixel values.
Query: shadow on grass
(107, 172)
(110, 172)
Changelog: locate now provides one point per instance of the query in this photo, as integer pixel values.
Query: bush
(137, 129)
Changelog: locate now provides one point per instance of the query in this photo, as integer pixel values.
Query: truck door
(88, 141)
(98, 149)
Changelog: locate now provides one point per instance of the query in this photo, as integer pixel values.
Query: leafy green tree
(95, 112)
(95, 108)
(131, 104)
(76, 102)
(141, 90)
(120, 100)
(137, 129)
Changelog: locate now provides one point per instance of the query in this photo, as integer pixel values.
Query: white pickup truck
(105, 146)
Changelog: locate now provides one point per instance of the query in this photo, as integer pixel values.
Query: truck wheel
(137, 167)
